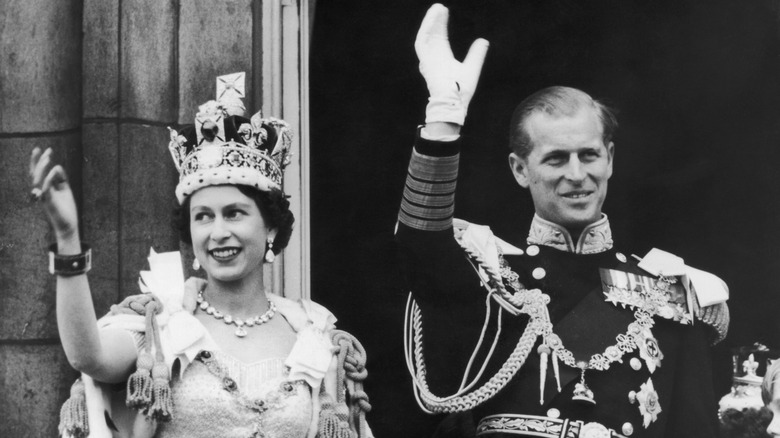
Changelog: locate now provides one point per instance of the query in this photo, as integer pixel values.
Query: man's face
(568, 168)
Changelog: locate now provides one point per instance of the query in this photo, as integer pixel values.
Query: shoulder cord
(463, 386)
(476, 260)
(148, 388)
(350, 368)
(475, 256)
(529, 302)
(459, 403)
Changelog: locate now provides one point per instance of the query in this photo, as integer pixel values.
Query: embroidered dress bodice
(204, 408)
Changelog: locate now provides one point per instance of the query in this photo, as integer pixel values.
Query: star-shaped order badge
(649, 406)
(649, 349)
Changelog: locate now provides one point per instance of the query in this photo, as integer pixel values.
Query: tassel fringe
(333, 421)
(162, 404)
(73, 415)
(139, 385)
(149, 388)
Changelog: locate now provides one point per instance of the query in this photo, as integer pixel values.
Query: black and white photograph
(365, 218)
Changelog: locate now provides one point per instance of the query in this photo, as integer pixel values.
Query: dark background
(697, 86)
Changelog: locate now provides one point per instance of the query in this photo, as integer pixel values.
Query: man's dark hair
(557, 102)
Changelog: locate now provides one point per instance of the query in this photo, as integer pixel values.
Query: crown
(224, 147)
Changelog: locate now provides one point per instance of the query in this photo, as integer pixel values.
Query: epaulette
(484, 249)
(691, 293)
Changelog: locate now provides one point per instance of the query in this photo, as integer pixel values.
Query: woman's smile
(224, 254)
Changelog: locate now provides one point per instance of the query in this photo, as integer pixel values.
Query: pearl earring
(269, 254)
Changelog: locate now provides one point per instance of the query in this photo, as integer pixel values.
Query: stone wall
(98, 81)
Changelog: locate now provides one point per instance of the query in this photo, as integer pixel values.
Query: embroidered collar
(595, 238)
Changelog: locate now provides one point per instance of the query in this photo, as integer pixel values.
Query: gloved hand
(451, 84)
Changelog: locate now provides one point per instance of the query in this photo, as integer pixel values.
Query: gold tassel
(333, 423)
(162, 405)
(73, 415)
(544, 352)
(139, 385)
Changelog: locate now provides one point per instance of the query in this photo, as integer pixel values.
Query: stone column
(147, 92)
(40, 105)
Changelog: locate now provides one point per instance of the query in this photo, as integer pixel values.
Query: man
(577, 339)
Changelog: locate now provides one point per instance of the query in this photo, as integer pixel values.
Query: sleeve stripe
(431, 189)
(433, 168)
(429, 195)
(412, 203)
(424, 224)
(433, 181)
(433, 201)
(442, 219)
(422, 213)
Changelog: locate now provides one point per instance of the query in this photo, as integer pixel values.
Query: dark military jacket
(457, 312)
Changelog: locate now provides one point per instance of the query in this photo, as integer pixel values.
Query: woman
(770, 393)
(239, 363)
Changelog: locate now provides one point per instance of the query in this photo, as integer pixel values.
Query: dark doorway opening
(697, 86)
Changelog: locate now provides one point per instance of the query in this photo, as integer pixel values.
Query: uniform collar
(596, 237)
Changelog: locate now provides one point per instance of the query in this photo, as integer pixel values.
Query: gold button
(621, 257)
(553, 413)
(636, 364)
(532, 250)
(628, 429)
(538, 273)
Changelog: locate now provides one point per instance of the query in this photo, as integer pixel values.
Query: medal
(581, 391)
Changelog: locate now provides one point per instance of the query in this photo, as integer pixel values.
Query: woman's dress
(215, 394)
(218, 395)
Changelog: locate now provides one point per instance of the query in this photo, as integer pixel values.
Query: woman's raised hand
(451, 83)
(50, 187)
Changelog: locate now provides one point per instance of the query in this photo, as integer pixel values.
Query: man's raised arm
(428, 202)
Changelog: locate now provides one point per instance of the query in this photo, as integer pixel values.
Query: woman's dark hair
(273, 205)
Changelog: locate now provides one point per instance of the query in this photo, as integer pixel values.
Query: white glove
(451, 84)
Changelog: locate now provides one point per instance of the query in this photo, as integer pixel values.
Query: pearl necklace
(228, 319)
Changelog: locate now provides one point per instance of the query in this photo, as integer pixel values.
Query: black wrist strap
(70, 265)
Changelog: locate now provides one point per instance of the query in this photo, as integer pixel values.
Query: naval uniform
(661, 388)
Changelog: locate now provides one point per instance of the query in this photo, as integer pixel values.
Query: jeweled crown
(224, 147)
